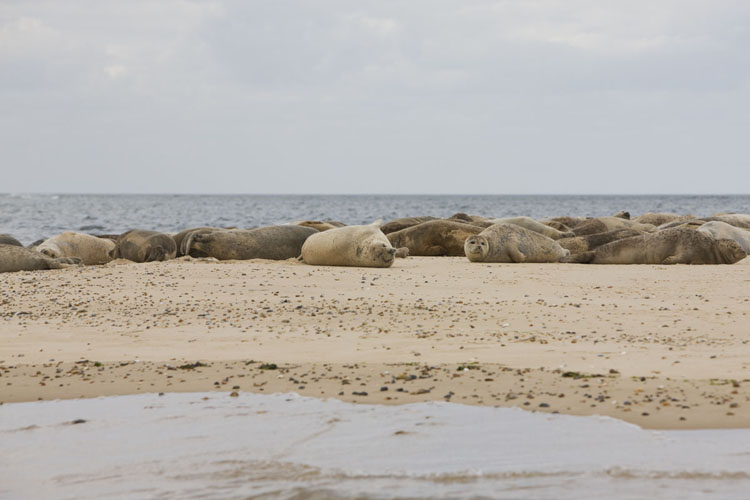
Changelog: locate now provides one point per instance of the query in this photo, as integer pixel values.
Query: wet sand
(659, 346)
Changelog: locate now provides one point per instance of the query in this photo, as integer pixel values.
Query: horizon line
(102, 193)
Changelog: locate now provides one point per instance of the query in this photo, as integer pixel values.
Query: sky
(381, 96)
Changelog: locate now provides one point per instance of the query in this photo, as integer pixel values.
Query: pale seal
(14, 258)
(360, 246)
(671, 246)
(7, 239)
(511, 243)
(434, 238)
(144, 246)
(736, 220)
(721, 230)
(270, 242)
(580, 244)
(90, 249)
(533, 225)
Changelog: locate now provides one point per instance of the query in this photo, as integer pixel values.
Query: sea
(30, 217)
(289, 447)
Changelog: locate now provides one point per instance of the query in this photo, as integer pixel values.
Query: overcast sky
(409, 96)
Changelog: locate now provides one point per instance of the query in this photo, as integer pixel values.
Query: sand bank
(660, 346)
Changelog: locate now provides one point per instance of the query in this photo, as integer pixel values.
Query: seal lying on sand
(721, 230)
(511, 243)
(270, 242)
(182, 239)
(144, 246)
(671, 246)
(568, 222)
(604, 224)
(6, 239)
(90, 249)
(435, 237)
(403, 223)
(17, 258)
(360, 246)
(736, 220)
(657, 219)
(580, 244)
(316, 224)
(533, 225)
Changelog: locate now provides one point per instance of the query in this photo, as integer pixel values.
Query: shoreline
(670, 341)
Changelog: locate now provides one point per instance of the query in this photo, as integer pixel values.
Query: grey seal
(270, 242)
(434, 238)
(671, 246)
(511, 243)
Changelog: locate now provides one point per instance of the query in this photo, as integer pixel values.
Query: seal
(605, 224)
(7, 239)
(511, 243)
(316, 224)
(736, 220)
(270, 242)
(678, 245)
(689, 223)
(659, 218)
(568, 222)
(721, 230)
(434, 238)
(403, 223)
(17, 258)
(181, 237)
(140, 245)
(533, 225)
(90, 249)
(556, 225)
(580, 244)
(360, 246)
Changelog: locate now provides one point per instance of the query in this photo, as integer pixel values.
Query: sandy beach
(665, 347)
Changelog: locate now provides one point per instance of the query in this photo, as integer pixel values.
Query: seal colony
(652, 238)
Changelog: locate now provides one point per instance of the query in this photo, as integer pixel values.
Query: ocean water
(34, 216)
(288, 447)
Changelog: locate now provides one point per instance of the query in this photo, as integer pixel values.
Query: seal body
(511, 243)
(659, 218)
(360, 246)
(7, 239)
(17, 258)
(182, 239)
(139, 245)
(91, 250)
(670, 246)
(604, 224)
(270, 242)
(580, 244)
(721, 230)
(533, 225)
(736, 220)
(316, 224)
(435, 237)
(403, 223)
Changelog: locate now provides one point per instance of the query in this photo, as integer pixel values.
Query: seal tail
(579, 258)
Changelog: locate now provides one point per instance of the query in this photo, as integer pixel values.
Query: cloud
(276, 96)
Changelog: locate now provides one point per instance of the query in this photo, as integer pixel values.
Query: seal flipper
(516, 255)
(579, 258)
(672, 259)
